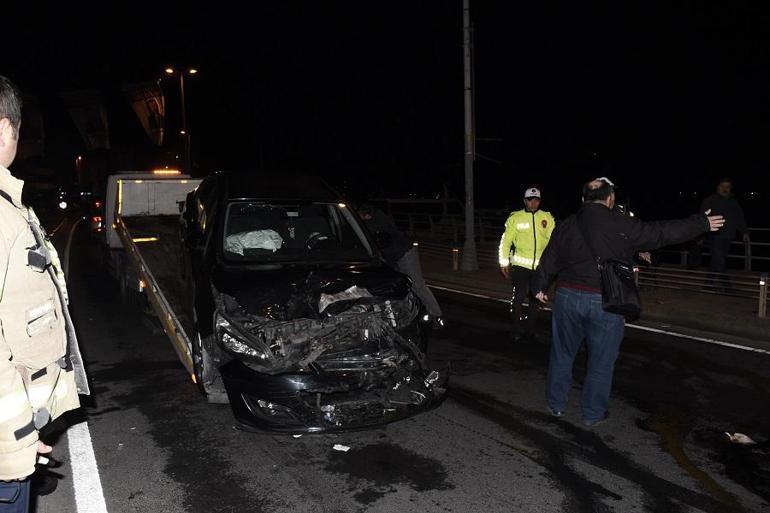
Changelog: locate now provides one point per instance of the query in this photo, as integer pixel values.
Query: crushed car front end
(356, 360)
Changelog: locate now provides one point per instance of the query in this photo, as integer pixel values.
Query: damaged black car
(298, 322)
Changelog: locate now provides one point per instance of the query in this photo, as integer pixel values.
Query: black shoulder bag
(620, 294)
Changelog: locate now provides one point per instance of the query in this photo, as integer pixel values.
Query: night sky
(662, 97)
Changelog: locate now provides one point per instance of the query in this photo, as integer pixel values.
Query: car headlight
(403, 313)
(235, 341)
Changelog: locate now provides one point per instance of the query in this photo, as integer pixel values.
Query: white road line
(482, 296)
(65, 263)
(89, 497)
(629, 325)
(700, 339)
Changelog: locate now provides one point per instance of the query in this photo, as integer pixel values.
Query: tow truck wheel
(207, 376)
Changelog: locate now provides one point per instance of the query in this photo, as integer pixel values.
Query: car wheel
(207, 376)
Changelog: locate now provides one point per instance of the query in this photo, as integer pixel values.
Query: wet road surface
(490, 447)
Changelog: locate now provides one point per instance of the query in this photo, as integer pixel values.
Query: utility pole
(185, 132)
(470, 259)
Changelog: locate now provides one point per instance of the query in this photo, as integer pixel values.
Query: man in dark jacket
(723, 203)
(577, 306)
(401, 254)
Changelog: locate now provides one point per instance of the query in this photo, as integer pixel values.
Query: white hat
(605, 180)
(532, 193)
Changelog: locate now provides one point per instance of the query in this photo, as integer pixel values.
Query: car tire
(207, 376)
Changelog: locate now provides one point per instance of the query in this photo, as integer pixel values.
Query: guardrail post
(411, 224)
(455, 259)
(762, 310)
(454, 229)
(683, 258)
(747, 257)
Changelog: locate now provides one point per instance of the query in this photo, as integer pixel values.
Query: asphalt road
(490, 447)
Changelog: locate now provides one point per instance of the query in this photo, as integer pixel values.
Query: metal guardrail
(451, 228)
(752, 286)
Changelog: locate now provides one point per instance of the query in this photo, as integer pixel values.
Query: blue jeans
(578, 315)
(14, 496)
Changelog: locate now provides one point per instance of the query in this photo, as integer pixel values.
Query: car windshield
(259, 232)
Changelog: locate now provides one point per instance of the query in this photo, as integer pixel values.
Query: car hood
(299, 292)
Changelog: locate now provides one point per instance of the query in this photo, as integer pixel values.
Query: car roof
(278, 186)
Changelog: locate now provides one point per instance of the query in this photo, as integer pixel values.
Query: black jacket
(732, 212)
(612, 235)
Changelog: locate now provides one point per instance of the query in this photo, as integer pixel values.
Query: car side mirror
(383, 239)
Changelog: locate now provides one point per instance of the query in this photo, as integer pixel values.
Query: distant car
(94, 215)
(297, 317)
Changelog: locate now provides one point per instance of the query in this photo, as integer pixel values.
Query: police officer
(37, 376)
(528, 230)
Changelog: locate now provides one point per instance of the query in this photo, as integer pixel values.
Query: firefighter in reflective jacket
(39, 377)
(528, 231)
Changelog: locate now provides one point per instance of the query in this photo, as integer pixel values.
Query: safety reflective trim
(13, 405)
(39, 394)
(525, 261)
(26, 430)
(522, 226)
(504, 262)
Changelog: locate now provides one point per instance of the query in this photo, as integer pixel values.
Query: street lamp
(185, 133)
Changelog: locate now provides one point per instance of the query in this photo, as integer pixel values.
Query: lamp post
(184, 132)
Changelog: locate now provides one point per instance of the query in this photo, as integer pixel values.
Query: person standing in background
(528, 231)
(723, 203)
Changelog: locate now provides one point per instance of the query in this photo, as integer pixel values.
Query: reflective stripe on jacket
(528, 233)
(33, 386)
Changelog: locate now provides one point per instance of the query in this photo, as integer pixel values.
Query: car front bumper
(330, 401)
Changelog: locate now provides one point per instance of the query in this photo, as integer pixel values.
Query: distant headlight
(63, 205)
(234, 341)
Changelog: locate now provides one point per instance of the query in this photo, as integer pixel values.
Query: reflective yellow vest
(529, 234)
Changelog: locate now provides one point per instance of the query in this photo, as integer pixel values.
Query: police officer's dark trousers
(523, 319)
